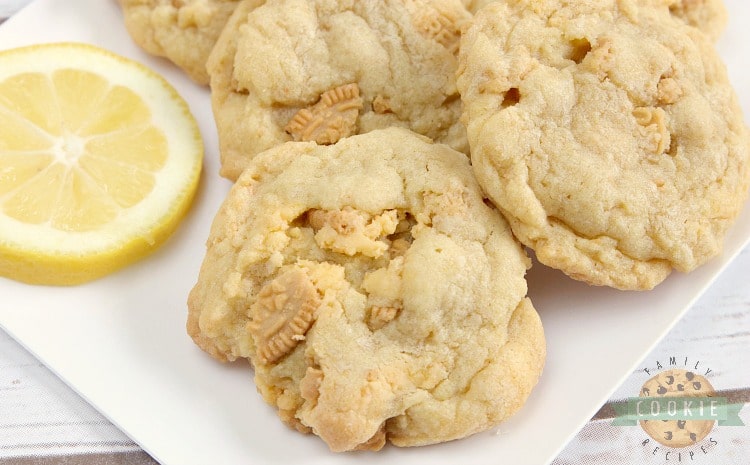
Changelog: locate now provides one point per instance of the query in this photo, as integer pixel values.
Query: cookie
(607, 133)
(183, 31)
(677, 383)
(324, 70)
(710, 16)
(377, 295)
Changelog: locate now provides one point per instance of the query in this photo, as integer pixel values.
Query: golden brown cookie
(377, 295)
(323, 70)
(608, 134)
(183, 31)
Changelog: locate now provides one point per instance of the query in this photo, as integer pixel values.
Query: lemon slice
(99, 161)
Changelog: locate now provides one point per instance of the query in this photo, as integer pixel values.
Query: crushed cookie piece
(450, 203)
(345, 221)
(653, 127)
(384, 287)
(351, 231)
(441, 26)
(380, 316)
(599, 60)
(332, 118)
(284, 311)
(309, 386)
(381, 105)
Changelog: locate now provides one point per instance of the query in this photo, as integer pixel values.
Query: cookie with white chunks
(183, 31)
(323, 70)
(607, 133)
(377, 295)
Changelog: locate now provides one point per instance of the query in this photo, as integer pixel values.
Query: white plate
(120, 341)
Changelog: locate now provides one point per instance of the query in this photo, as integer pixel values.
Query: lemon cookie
(377, 295)
(607, 133)
(183, 31)
(323, 70)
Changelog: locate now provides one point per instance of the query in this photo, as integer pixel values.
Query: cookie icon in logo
(677, 383)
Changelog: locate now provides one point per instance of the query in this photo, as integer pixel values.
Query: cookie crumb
(380, 316)
(351, 231)
(381, 105)
(309, 386)
(599, 60)
(451, 202)
(345, 221)
(653, 127)
(441, 26)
